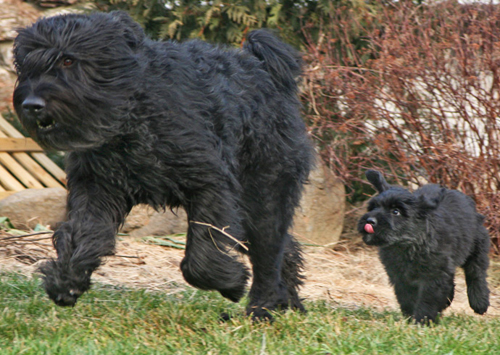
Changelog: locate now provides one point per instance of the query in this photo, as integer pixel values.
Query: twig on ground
(26, 235)
(223, 232)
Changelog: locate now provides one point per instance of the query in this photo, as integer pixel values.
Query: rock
(158, 223)
(320, 217)
(47, 206)
(13, 14)
(137, 218)
(318, 220)
(27, 208)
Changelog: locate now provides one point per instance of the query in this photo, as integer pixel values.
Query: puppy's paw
(260, 314)
(480, 307)
(479, 295)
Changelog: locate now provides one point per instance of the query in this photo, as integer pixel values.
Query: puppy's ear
(133, 32)
(429, 202)
(377, 180)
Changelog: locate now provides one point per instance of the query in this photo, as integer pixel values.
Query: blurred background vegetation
(407, 87)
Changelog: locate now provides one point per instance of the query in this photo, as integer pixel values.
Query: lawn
(110, 320)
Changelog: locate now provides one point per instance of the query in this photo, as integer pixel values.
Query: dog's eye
(67, 62)
(396, 212)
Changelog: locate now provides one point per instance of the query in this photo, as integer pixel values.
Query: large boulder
(144, 220)
(320, 217)
(27, 208)
(30, 207)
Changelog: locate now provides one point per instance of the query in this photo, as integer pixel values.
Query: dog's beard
(60, 134)
(68, 122)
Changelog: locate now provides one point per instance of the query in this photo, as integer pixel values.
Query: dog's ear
(133, 32)
(377, 180)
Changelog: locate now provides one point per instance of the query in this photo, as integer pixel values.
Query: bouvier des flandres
(216, 131)
(422, 238)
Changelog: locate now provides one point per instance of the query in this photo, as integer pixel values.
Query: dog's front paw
(63, 285)
(65, 298)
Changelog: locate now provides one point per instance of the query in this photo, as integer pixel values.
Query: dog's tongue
(369, 228)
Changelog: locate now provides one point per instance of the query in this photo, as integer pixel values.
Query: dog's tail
(280, 60)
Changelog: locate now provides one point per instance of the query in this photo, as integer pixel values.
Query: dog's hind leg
(293, 264)
(275, 256)
(210, 262)
(475, 276)
(269, 290)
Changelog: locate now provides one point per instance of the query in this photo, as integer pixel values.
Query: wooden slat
(51, 167)
(34, 168)
(42, 159)
(9, 144)
(18, 171)
(8, 181)
(9, 129)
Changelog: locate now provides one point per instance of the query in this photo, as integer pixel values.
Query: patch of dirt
(349, 275)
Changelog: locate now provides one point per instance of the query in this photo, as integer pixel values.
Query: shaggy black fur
(422, 238)
(214, 130)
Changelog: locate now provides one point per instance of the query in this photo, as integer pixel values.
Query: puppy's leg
(407, 296)
(451, 295)
(208, 263)
(433, 297)
(94, 216)
(475, 276)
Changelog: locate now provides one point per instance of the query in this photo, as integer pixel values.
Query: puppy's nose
(372, 221)
(33, 104)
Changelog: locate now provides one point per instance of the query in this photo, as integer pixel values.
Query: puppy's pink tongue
(369, 228)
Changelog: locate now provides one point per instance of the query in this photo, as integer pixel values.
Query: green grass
(110, 320)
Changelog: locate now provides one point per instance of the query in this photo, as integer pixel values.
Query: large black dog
(216, 131)
(422, 238)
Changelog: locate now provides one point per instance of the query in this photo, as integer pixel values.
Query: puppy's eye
(396, 212)
(67, 62)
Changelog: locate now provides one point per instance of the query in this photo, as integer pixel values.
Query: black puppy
(214, 130)
(422, 238)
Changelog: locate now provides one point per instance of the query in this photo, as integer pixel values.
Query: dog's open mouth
(45, 123)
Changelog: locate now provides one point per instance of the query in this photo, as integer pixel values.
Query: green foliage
(110, 320)
(228, 21)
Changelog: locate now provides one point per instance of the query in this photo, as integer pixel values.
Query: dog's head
(394, 215)
(77, 75)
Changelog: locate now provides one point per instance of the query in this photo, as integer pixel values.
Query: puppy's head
(391, 214)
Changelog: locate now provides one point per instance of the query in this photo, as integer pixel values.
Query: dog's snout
(33, 104)
(372, 221)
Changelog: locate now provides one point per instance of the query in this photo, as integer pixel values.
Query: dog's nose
(33, 104)
(372, 221)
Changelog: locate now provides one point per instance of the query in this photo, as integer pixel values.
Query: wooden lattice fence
(23, 165)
